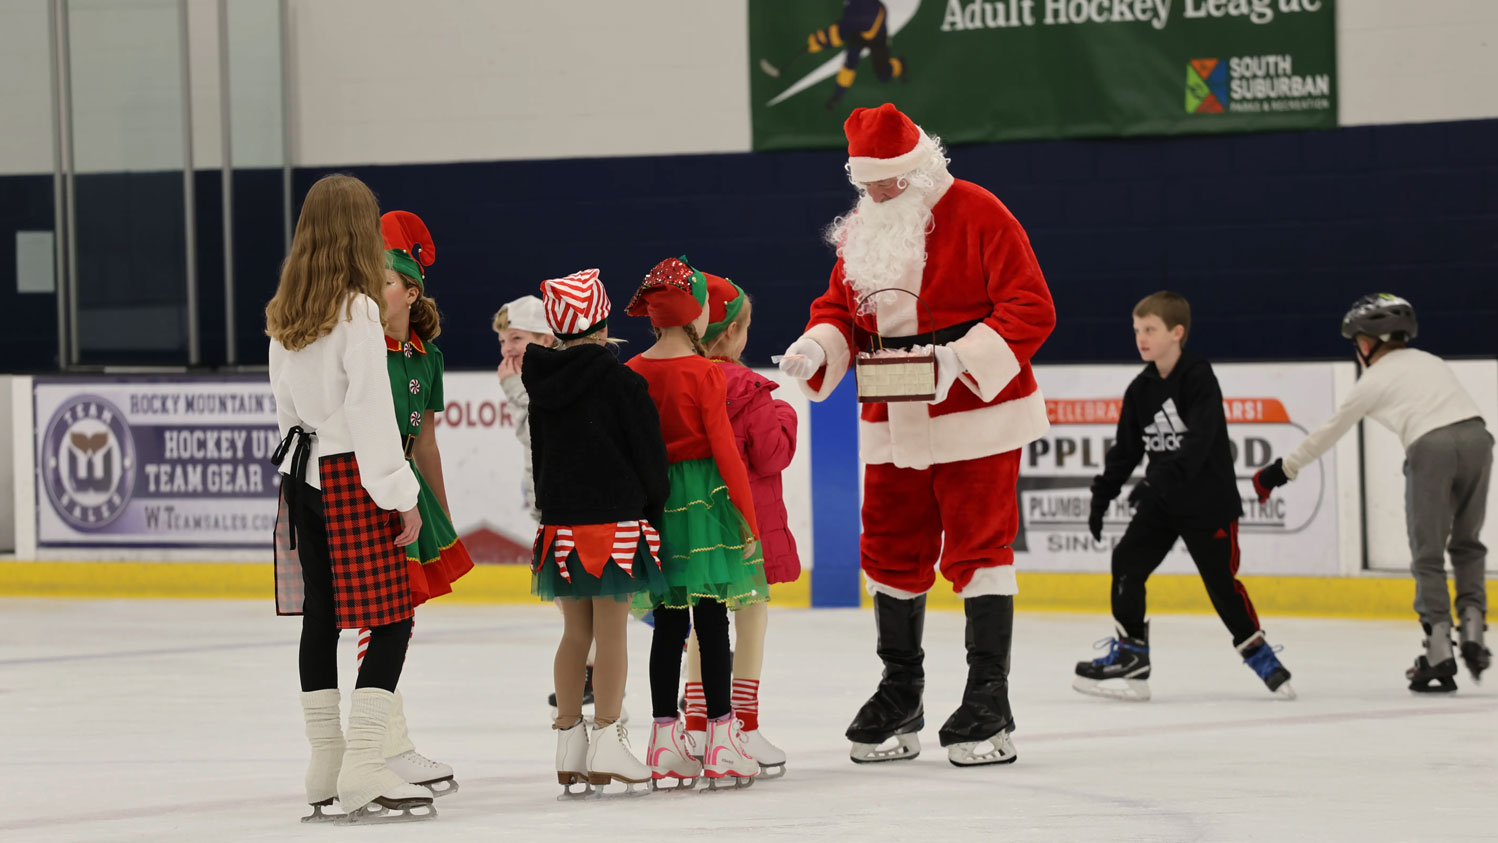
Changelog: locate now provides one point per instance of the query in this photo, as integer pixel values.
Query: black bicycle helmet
(1383, 316)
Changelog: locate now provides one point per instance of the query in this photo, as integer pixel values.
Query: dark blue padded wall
(1269, 235)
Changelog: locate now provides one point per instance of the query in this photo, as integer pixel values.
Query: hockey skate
(725, 761)
(370, 791)
(413, 767)
(1474, 653)
(672, 757)
(572, 760)
(1125, 667)
(977, 733)
(770, 757)
(1435, 671)
(612, 759)
(1258, 655)
(886, 728)
(325, 734)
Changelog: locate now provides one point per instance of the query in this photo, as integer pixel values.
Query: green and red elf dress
(438, 558)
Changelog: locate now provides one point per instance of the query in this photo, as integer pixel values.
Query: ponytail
(426, 321)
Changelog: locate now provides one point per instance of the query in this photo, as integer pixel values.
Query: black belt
(942, 337)
(299, 459)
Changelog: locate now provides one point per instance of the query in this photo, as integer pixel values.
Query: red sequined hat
(673, 294)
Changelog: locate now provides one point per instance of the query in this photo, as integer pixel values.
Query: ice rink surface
(176, 720)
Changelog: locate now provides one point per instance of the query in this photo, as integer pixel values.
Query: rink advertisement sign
(1269, 409)
(991, 70)
(155, 463)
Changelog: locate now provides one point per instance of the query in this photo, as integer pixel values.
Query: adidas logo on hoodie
(1166, 431)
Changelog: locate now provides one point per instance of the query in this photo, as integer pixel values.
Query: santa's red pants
(906, 509)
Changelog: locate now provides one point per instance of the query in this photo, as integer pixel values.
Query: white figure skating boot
(367, 788)
(770, 757)
(415, 768)
(672, 756)
(325, 734)
(572, 759)
(612, 759)
(725, 757)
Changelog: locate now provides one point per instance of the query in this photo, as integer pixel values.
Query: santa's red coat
(979, 266)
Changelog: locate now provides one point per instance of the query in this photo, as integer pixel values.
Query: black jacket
(1179, 422)
(596, 446)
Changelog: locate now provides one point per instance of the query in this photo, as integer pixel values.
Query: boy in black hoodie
(1173, 412)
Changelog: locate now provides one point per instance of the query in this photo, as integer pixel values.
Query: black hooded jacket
(1179, 422)
(596, 445)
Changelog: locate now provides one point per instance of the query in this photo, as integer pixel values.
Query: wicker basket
(892, 378)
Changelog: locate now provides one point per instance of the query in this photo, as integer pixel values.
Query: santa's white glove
(948, 367)
(803, 359)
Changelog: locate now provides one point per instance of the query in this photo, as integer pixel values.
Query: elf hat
(408, 245)
(725, 301)
(883, 143)
(527, 313)
(576, 305)
(673, 294)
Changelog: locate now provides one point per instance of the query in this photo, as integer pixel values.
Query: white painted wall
(516, 79)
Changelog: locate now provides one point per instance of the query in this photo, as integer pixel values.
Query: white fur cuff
(989, 361)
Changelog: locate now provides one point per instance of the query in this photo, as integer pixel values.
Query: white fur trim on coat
(989, 362)
(999, 579)
(913, 439)
(839, 355)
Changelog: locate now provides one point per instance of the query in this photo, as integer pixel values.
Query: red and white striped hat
(576, 305)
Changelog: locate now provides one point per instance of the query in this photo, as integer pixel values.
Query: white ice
(179, 720)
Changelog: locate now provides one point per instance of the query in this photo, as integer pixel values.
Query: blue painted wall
(1269, 235)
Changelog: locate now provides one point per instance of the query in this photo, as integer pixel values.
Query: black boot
(984, 715)
(894, 711)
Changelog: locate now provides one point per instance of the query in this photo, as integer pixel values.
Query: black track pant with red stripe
(1215, 552)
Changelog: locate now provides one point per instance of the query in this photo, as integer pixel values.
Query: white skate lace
(419, 760)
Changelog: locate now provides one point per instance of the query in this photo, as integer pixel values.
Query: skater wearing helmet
(1448, 463)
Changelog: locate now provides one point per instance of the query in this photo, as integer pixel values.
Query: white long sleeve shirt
(1409, 391)
(338, 388)
(520, 407)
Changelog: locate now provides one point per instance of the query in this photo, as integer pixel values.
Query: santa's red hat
(883, 143)
(576, 305)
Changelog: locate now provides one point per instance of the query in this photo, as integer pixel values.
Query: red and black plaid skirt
(371, 586)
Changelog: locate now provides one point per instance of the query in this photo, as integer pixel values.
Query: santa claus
(939, 476)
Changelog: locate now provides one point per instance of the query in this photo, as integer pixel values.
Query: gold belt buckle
(410, 443)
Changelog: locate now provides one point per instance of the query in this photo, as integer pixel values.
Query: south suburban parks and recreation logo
(88, 462)
(1246, 84)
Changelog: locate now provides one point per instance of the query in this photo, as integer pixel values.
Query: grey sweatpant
(1446, 474)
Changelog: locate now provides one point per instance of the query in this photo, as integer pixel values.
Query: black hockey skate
(1262, 658)
(1125, 667)
(894, 712)
(1434, 672)
(1477, 656)
(978, 732)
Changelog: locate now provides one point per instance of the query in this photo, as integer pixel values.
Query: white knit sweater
(338, 388)
(1409, 391)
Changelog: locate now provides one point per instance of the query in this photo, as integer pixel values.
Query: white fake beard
(883, 244)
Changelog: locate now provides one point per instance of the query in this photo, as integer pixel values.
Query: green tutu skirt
(438, 558)
(549, 583)
(702, 544)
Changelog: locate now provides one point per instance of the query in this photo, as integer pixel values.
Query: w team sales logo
(88, 462)
(1254, 84)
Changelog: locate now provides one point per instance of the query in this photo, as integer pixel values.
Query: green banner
(992, 70)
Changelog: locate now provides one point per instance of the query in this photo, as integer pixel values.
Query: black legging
(671, 628)
(318, 659)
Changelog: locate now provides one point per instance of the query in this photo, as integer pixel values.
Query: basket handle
(930, 315)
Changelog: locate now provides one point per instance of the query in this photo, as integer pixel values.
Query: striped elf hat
(576, 305)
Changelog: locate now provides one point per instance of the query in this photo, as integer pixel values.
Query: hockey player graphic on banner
(940, 477)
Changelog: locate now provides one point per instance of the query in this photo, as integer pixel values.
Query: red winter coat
(765, 429)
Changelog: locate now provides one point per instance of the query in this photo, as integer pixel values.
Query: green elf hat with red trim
(409, 249)
(725, 301)
(673, 294)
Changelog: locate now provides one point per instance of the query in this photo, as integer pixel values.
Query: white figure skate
(672, 756)
(725, 761)
(770, 757)
(572, 760)
(370, 791)
(612, 759)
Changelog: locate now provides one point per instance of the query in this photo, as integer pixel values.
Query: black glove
(1142, 493)
(1095, 518)
(1269, 478)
